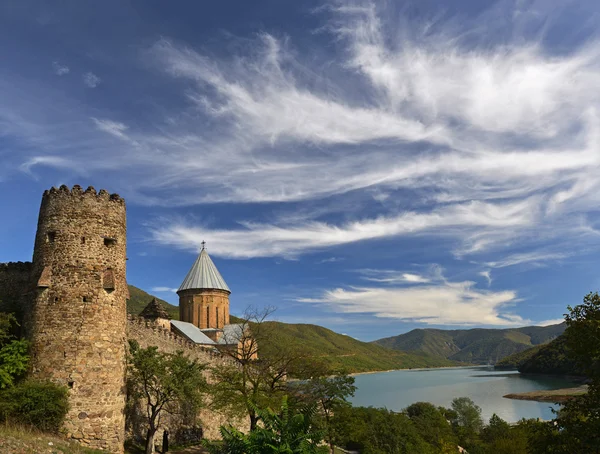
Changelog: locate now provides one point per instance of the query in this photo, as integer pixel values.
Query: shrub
(42, 405)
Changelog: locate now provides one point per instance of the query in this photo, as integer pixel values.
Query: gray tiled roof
(203, 275)
(192, 332)
(232, 334)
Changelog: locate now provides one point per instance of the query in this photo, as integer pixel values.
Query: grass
(25, 440)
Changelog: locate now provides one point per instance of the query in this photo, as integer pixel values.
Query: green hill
(552, 358)
(338, 350)
(478, 346)
(139, 299)
(515, 360)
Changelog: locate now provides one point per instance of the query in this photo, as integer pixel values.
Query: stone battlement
(78, 191)
(149, 333)
(16, 266)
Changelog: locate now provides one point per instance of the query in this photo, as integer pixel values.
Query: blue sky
(371, 167)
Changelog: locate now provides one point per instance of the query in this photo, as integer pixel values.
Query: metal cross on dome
(203, 244)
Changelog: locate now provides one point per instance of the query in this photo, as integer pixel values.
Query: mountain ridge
(475, 345)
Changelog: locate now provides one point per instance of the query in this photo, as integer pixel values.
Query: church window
(208, 317)
(50, 237)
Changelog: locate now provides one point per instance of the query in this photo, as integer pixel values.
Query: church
(203, 307)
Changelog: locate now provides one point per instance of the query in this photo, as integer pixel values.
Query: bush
(42, 405)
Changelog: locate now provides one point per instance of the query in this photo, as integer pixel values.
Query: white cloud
(491, 143)
(538, 258)
(60, 70)
(265, 240)
(111, 127)
(487, 274)
(91, 80)
(438, 303)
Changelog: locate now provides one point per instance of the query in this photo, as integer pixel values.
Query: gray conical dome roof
(203, 275)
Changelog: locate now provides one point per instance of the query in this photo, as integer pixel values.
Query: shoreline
(353, 374)
(550, 395)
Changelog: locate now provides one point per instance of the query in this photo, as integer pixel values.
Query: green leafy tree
(329, 390)
(252, 379)
(14, 357)
(284, 432)
(378, 431)
(164, 382)
(467, 422)
(431, 424)
(576, 429)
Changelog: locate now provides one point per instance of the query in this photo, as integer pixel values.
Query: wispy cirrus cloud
(434, 303)
(486, 141)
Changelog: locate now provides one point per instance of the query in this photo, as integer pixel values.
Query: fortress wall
(149, 334)
(14, 282)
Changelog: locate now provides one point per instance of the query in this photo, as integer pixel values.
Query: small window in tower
(56, 299)
(70, 384)
(82, 240)
(86, 299)
(50, 237)
(109, 242)
(208, 317)
(217, 313)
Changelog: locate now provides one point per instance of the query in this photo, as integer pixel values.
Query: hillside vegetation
(478, 346)
(139, 299)
(339, 350)
(553, 358)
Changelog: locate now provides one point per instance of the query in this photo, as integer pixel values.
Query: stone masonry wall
(14, 282)
(78, 320)
(149, 334)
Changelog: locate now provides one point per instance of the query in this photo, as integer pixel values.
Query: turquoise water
(398, 389)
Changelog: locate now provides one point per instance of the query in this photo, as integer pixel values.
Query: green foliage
(466, 421)
(164, 382)
(431, 424)
(516, 360)
(339, 351)
(288, 431)
(329, 391)
(139, 299)
(478, 346)
(554, 358)
(378, 431)
(42, 405)
(576, 429)
(14, 357)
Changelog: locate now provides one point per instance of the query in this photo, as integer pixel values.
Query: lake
(396, 390)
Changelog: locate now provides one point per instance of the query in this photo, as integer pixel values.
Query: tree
(378, 431)
(14, 357)
(576, 429)
(467, 422)
(329, 390)
(431, 424)
(288, 431)
(164, 382)
(252, 379)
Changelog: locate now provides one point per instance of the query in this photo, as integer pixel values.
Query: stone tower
(204, 295)
(77, 322)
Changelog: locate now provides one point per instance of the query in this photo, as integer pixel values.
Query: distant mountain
(552, 358)
(139, 299)
(343, 351)
(477, 346)
(338, 350)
